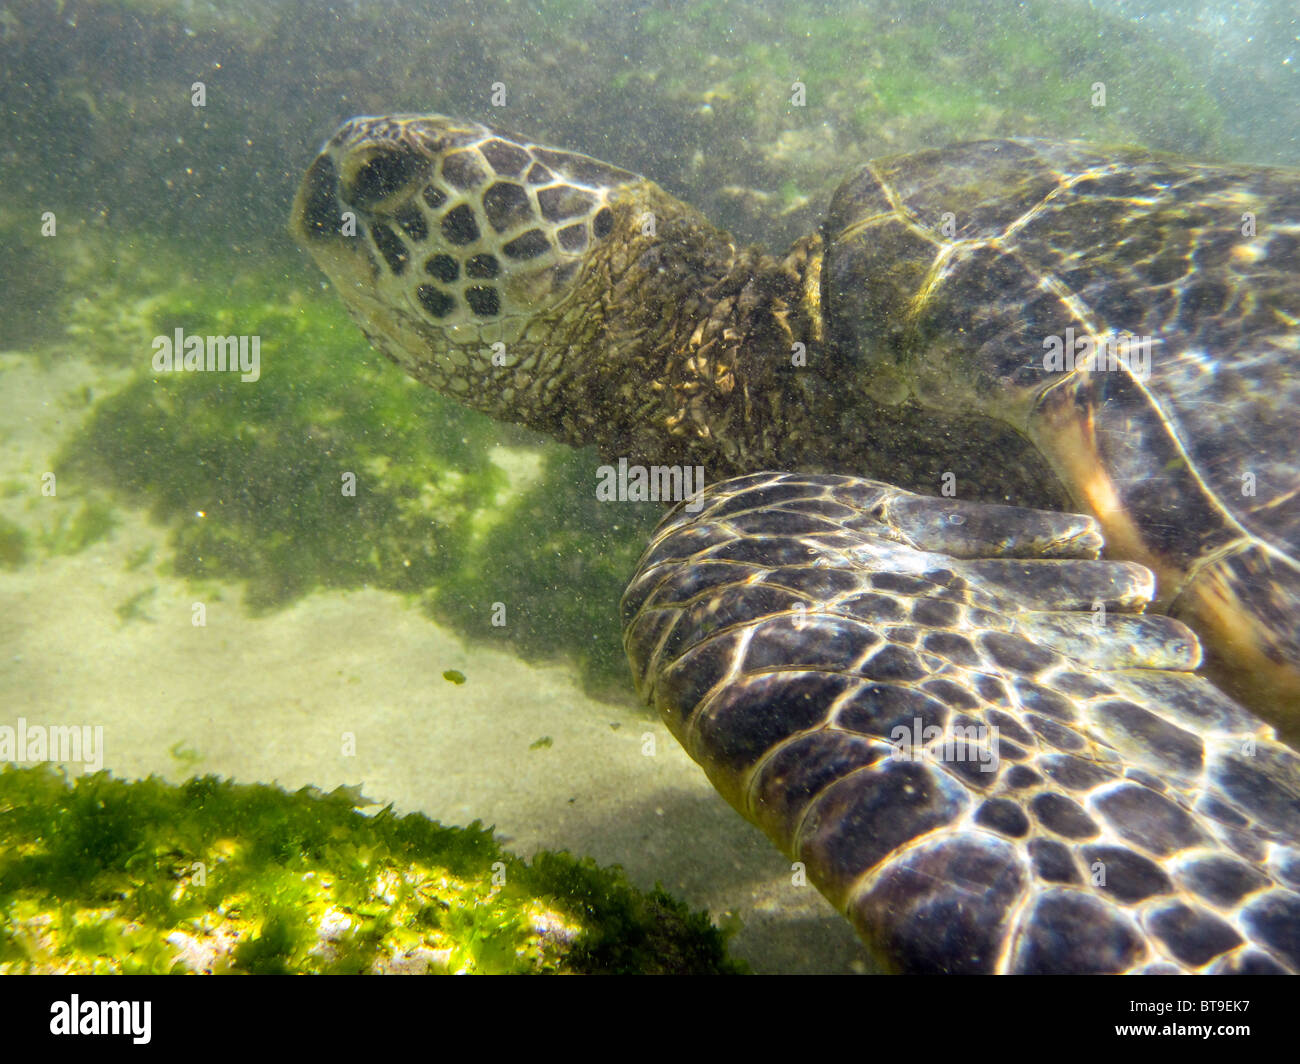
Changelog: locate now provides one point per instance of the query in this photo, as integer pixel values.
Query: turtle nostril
(385, 172)
(320, 206)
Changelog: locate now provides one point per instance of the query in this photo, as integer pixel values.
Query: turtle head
(452, 243)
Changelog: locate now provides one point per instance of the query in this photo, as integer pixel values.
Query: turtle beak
(353, 173)
(317, 212)
(325, 225)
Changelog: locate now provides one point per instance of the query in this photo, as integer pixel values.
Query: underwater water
(314, 571)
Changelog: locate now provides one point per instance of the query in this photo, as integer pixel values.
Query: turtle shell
(1137, 318)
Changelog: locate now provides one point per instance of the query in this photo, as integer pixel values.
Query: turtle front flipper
(962, 724)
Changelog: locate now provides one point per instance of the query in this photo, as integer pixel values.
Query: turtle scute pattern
(1060, 239)
(1124, 816)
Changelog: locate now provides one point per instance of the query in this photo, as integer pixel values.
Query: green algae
(696, 96)
(105, 875)
(30, 271)
(557, 564)
(330, 470)
(895, 76)
(251, 478)
(76, 527)
(13, 544)
(135, 608)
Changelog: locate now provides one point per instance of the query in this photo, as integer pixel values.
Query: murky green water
(178, 564)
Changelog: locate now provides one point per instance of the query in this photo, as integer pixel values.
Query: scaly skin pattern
(657, 340)
(909, 340)
(913, 697)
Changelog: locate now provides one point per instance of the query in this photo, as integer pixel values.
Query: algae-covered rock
(104, 876)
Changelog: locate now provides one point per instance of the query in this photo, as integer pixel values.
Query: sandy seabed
(348, 688)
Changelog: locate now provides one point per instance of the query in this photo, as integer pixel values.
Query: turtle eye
(380, 175)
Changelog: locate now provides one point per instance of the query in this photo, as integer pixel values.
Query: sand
(348, 688)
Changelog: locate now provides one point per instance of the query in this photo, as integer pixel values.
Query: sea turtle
(965, 725)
